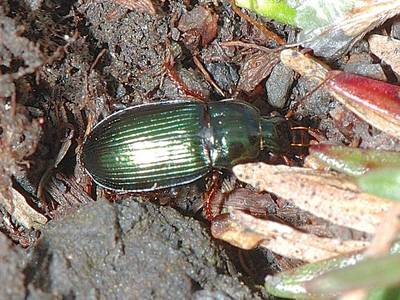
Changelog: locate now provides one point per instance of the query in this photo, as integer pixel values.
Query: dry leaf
(333, 40)
(387, 49)
(202, 21)
(245, 231)
(255, 69)
(139, 5)
(305, 65)
(324, 194)
(374, 101)
(21, 211)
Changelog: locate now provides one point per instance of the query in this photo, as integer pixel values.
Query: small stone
(278, 85)
(395, 32)
(225, 75)
(374, 71)
(175, 34)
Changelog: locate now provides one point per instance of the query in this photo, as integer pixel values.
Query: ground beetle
(154, 146)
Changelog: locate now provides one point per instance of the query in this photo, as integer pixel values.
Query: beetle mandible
(159, 145)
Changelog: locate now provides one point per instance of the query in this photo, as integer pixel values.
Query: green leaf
(383, 182)
(291, 284)
(277, 10)
(309, 15)
(353, 161)
(313, 15)
(376, 272)
(384, 294)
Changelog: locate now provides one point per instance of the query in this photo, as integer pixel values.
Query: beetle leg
(210, 194)
(287, 160)
(303, 142)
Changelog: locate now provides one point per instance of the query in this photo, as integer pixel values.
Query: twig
(268, 33)
(245, 45)
(207, 76)
(96, 61)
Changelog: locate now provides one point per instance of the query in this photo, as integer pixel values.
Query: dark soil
(65, 65)
(130, 250)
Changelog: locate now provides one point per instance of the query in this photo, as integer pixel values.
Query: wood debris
(324, 194)
(247, 232)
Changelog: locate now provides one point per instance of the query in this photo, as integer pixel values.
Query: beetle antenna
(308, 94)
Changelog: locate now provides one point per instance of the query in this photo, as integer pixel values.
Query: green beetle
(155, 146)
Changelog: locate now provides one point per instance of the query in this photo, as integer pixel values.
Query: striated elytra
(154, 146)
